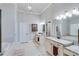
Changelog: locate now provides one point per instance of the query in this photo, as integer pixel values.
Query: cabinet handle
(73, 55)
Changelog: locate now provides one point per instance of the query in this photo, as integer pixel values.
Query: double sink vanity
(68, 30)
(61, 47)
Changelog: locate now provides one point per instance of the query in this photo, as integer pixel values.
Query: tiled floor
(26, 49)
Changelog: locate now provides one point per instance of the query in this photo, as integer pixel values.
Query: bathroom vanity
(72, 50)
(56, 46)
(37, 39)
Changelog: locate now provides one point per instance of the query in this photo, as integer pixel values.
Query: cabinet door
(60, 51)
(67, 52)
(49, 47)
(55, 50)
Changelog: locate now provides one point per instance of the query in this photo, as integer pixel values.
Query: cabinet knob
(73, 55)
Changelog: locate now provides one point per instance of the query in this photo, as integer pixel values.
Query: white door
(24, 32)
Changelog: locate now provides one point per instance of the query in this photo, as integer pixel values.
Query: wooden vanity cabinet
(54, 48)
(57, 49)
(48, 46)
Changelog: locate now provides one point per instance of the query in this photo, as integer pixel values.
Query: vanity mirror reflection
(53, 28)
(69, 28)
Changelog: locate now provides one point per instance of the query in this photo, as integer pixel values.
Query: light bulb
(58, 18)
(63, 16)
(75, 12)
(68, 14)
(29, 8)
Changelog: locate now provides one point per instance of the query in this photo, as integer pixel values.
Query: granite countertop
(73, 48)
(61, 41)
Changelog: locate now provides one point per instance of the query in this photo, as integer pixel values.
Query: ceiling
(37, 8)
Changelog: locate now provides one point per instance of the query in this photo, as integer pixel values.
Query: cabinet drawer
(67, 52)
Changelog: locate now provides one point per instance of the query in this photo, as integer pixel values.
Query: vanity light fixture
(58, 18)
(75, 11)
(68, 14)
(63, 16)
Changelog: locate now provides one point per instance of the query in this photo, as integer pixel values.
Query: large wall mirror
(69, 28)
